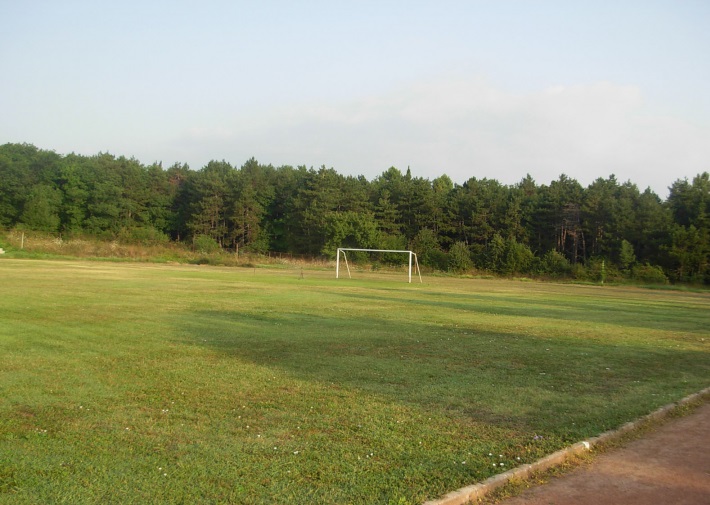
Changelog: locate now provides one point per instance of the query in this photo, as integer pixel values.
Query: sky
(492, 89)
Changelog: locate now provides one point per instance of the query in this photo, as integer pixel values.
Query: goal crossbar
(341, 250)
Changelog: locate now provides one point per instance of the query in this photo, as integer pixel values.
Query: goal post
(412, 260)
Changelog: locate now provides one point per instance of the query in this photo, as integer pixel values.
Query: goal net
(342, 252)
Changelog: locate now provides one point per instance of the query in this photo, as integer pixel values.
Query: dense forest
(555, 230)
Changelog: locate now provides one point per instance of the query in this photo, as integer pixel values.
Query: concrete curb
(474, 492)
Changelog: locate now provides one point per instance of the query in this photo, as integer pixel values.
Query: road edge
(473, 492)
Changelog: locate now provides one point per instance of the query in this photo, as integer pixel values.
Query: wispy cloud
(469, 127)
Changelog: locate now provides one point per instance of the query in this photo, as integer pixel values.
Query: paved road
(668, 466)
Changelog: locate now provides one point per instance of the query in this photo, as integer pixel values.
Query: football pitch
(142, 383)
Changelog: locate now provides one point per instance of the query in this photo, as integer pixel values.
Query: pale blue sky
(493, 89)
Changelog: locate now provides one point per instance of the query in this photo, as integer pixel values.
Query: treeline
(607, 228)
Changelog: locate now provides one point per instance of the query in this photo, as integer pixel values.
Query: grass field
(138, 383)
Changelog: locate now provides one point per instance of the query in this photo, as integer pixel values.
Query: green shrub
(143, 235)
(650, 274)
(205, 244)
(581, 273)
(602, 270)
(438, 260)
(460, 258)
(555, 264)
(429, 253)
(518, 258)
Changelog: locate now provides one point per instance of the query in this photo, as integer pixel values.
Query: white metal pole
(337, 265)
(410, 267)
(345, 256)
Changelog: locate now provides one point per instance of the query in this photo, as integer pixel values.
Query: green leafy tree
(179, 183)
(22, 166)
(558, 223)
(418, 207)
(387, 214)
(527, 193)
(319, 193)
(41, 210)
(689, 253)
(652, 228)
(136, 197)
(425, 244)
(75, 191)
(518, 258)
(396, 242)
(205, 244)
(597, 208)
(555, 264)
(627, 257)
(480, 207)
(650, 274)
(160, 196)
(460, 258)
(283, 209)
(690, 202)
(246, 217)
(442, 221)
(495, 254)
(103, 203)
(252, 193)
(208, 199)
(350, 229)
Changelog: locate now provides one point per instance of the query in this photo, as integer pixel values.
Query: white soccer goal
(412, 260)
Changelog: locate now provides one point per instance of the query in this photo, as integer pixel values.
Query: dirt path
(669, 466)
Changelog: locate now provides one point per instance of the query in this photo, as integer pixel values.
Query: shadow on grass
(661, 315)
(571, 387)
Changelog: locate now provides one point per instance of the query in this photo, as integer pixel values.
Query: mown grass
(140, 383)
